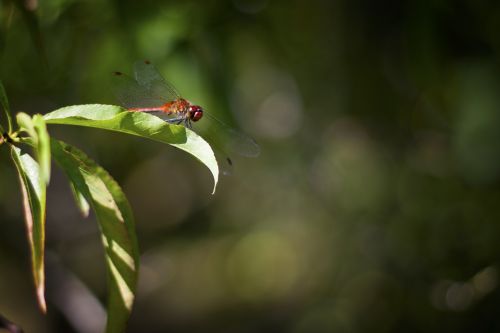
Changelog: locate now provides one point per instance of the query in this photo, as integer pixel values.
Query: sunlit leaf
(36, 129)
(142, 124)
(43, 146)
(26, 123)
(80, 200)
(34, 196)
(34, 178)
(116, 224)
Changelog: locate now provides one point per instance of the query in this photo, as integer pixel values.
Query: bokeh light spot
(262, 266)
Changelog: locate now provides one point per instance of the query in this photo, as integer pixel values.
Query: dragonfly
(148, 91)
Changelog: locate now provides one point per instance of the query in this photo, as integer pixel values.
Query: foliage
(373, 208)
(93, 187)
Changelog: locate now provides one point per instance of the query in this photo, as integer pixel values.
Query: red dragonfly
(150, 92)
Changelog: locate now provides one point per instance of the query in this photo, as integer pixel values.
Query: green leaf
(116, 224)
(5, 106)
(37, 130)
(43, 146)
(34, 196)
(81, 202)
(26, 123)
(142, 124)
(35, 177)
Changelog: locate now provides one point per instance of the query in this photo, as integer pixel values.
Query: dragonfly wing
(240, 143)
(228, 139)
(132, 95)
(148, 76)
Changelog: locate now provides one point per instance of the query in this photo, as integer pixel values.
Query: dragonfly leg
(180, 120)
(176, 120)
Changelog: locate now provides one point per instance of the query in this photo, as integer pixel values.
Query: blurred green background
(373, 207)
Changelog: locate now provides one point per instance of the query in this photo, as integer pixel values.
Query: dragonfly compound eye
(195, 112)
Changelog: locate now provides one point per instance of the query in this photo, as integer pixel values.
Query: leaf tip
(40, 294)
(216, 180)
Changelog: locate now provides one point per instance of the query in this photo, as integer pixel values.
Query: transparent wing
(132, 95)
(227, 138)
(148, 76)
(217, 142)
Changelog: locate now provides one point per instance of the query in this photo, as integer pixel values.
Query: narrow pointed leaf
(142, 124)
(37, 130)
(26, 123)
(43, 146)
(80, 200)
(34, 196)
(35, 176)
(116, 225)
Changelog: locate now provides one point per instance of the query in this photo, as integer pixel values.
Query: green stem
(13, 138)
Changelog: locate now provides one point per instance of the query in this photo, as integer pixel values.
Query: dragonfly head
(195, 112)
